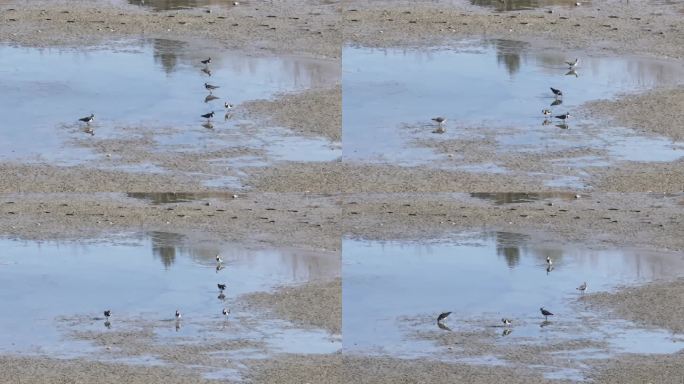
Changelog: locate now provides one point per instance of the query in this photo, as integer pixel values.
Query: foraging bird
(87, 119)
(506, 322)
(572, 64)
(443, 316)
(556, 92)
(228, 105)
(225, 312)
(545, 313)
(178, 315)
(221, 287)
(549, 261)
(546, 112)
(218, 259)
(563, 117)
(208, 115)
(207, 61)
(439, 120)
(582, 287)
(107, 313)
(210, 87)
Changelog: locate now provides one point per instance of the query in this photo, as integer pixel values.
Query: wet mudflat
(148, 97)
(393, 292)
(492, 94)
(57, 292)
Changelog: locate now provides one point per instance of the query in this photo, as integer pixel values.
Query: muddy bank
(45, 370)
(603, 26)
(599, 220)
(640, 369)
(655, 305)
(308, 221)
(308, 28)
(659, 112)
(316, 112)
(314, 305)
(640, 177)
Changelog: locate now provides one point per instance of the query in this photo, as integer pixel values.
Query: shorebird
(582, 287)
(572, 64)
(439, 120)
(107, 313)
(546, 112)
(219, 259)
(563, 117)
(549, 261)
(178, 315)
(88, 119)
(545, 313)
(210, 87)
(228, 105)
(506, 322)
(207, 61)
(443, 316)
(208, 115)
(225, 312)
(557, 92)
(221, 287)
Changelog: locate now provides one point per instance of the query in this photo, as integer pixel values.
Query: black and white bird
(506, 322)
(546, 112)
(557, 92)
(208, 115)
(228, 105)
(225, 312)
(564, 117)
(221, 287)
(88, 119)
(582, 287)
(207, 61)
(443, 316)
(549, 261)
(572, 64)
(545, 313)
(219, 259)
(439, 120)
(210, 87)
(107, 313)
(178, 315)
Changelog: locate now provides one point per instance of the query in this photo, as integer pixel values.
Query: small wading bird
(208, 115)
(443, 316)
(210, 87)
(225, 312)
(563, 117)
(439, 120)
(582, 287)
(557, 92)
(178, 315)
(549, 261)
(506, 322)
(545, 313)
(207, 61)
(88, 119)
(221, 287)
(572, 64)
(218, 259)
(228, 105)
(546, 112)
(107, 313)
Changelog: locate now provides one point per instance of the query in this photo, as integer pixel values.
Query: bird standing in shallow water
(218, 259)
(221, 287)
(107, 313)
(208, 115)
(210, 87)
(582, 287)
(563, 117)
(506, 322)
(228, 105)
(439, 120)
(549, 261)
(178, 315)
(572, 64)
(557, 92)
(207, 61)
(88, 119)
(546, 112)
(545, 313)
(442, 316)
(225, 312)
